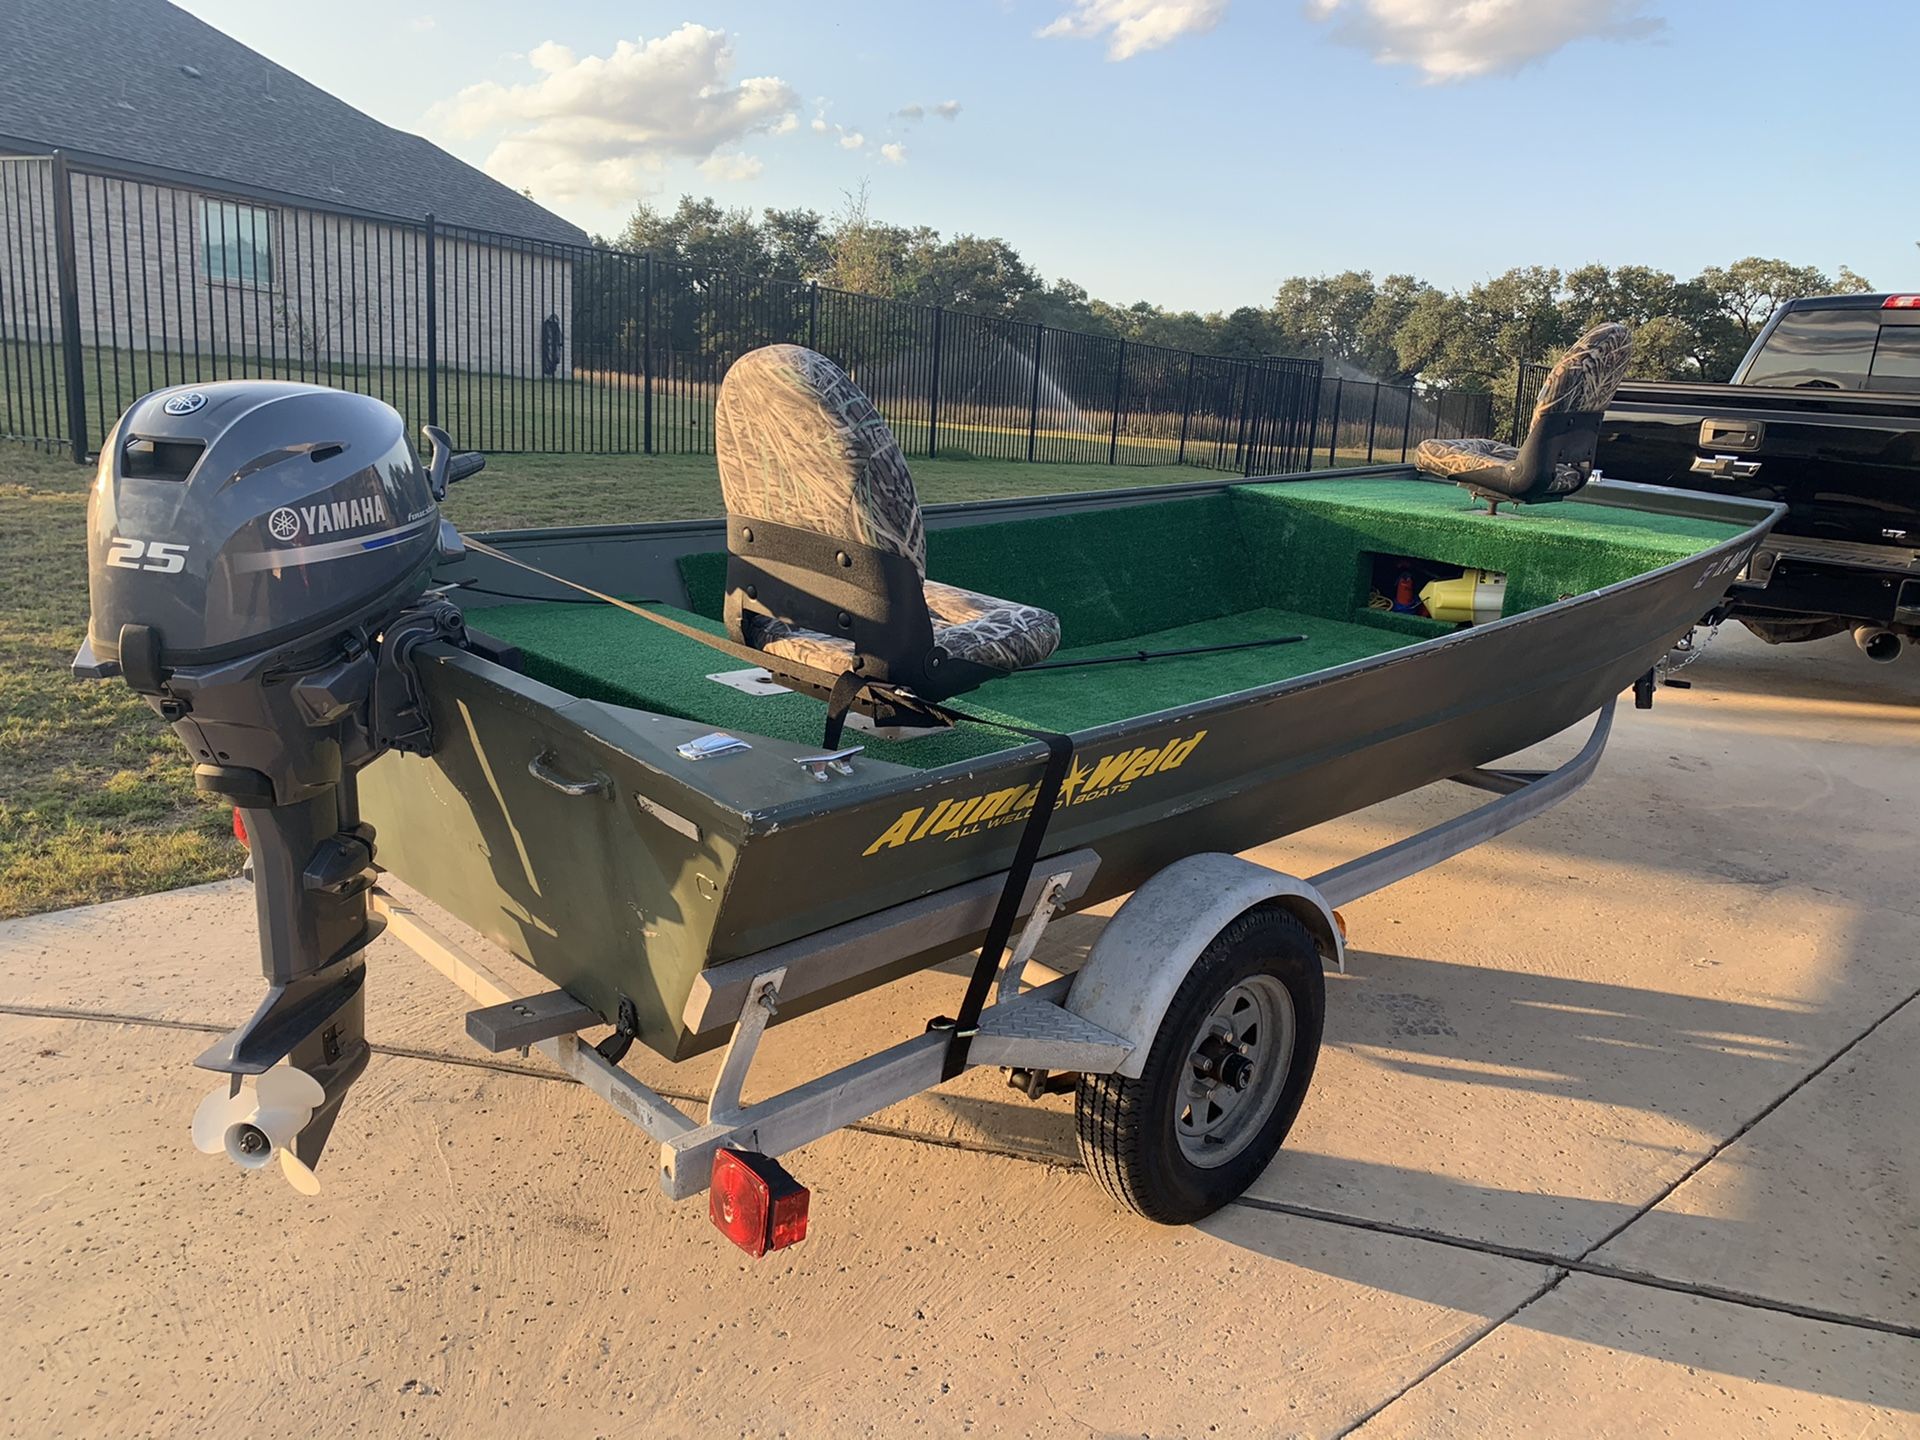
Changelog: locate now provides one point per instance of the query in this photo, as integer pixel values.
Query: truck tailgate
(1846, 463)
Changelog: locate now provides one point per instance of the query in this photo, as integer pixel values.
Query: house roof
(146, 85)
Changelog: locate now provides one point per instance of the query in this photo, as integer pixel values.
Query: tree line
(1397, 328)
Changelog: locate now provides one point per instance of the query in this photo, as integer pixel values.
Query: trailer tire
(1139, 1138)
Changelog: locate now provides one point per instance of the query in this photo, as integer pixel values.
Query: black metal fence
(1364, 422)
(37, 396)
(1529, 376)
(114, 285)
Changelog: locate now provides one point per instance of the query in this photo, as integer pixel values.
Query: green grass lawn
(96, 795)
(530, 490)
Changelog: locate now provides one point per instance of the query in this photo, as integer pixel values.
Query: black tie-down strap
(839, 701)
(964, 1026)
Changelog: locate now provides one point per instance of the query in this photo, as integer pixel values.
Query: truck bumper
(1803, 580)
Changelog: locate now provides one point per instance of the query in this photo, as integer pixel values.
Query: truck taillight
(240, 827)
(1901, 302)
(755, 1203)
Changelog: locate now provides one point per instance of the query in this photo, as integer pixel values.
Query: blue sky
(1188, 152)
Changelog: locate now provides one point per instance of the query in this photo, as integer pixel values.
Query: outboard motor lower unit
(258, 559)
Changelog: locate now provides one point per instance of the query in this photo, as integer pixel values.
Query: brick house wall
(291, 290)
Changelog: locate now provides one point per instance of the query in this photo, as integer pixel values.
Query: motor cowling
(236, 517)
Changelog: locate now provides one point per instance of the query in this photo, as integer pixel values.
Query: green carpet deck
(606, 654)
(1545, 551)
(1255, 562)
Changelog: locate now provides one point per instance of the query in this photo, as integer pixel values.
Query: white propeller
(261, 1122)
(298, 1175)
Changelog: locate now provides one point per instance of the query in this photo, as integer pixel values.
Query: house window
(234, 243)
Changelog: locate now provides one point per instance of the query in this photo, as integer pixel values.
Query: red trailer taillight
(755, 1203)
(1901, 302)
(240, 827)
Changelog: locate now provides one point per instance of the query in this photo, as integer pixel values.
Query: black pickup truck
(1824, 415)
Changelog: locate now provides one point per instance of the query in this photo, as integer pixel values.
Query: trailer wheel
(1223, 1081)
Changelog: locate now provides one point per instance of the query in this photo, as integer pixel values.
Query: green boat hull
(668, 866)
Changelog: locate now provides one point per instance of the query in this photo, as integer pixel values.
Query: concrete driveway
(1614, 1134)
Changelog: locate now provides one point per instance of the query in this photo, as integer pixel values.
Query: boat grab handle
(553, 779)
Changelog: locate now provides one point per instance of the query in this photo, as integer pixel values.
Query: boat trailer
(1100, 1020)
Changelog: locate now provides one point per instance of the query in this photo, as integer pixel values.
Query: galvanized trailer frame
(1100, 1020)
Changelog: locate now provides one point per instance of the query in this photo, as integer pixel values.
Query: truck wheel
(1223, 1080)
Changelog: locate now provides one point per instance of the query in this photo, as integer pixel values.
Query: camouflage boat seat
(1556, 458)
(826, 551)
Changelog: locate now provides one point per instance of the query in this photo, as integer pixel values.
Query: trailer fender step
(1039, 1034)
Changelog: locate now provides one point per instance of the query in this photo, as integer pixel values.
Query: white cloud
(731, 166)
(595, 127)
(1459, 39)
(421, 24)
(894, 153)
(1133, 27)
(845, 138)
(913, 114)
(785, 125)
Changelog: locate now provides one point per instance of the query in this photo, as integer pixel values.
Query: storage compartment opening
(1434, 590)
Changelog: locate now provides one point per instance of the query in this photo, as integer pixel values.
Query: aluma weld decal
(1088, 780)
(1731, 564)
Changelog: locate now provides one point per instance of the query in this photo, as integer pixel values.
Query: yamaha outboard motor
(258, 557)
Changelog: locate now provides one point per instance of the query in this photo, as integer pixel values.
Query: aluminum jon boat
(653, 802)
